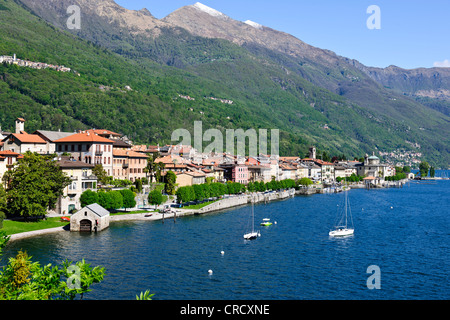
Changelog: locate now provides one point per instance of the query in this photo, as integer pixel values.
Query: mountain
(274, 80)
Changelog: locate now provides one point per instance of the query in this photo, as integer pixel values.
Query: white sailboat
(342, 229)
(254, 234)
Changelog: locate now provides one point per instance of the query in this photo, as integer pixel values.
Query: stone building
(91, 218)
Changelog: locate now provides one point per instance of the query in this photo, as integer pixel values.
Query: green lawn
(199, 206)
(13, 227)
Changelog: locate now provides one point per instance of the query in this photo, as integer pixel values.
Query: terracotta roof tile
(28, 138)
(128, 153)
(84, 136)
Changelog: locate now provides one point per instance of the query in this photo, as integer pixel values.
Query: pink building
(129, 164)
(236, 172)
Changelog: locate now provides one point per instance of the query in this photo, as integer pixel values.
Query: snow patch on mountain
(208, 10)
(254, 24)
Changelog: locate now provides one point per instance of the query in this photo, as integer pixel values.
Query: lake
(404, 232)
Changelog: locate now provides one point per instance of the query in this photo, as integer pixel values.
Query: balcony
(98, 153)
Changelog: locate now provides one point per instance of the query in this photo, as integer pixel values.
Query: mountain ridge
(267, 85)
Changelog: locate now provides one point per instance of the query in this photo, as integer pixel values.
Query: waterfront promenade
(226, 203)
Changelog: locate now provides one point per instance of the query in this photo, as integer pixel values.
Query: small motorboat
(266, 222)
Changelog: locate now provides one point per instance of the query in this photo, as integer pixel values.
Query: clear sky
(414, 33)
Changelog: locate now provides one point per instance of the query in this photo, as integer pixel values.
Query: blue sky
(414, 33)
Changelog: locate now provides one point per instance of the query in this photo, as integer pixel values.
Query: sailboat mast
(346, 205)
(253, 218)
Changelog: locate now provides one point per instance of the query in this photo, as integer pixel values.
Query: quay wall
(245, 199)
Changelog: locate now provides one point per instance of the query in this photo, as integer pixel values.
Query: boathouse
(91, 218)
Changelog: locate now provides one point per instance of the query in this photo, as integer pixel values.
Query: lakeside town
(77, 154)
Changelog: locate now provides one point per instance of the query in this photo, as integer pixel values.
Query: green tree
(305, 182)
(151, 165)
(171, 179)
(88, 197)
(155, 197)
(101, 174)
(432, 172)
(138, 185)
(105, 200)
(199, 192)
(129, 198)
(117, 200)
(407, 169)
(35, 185)
(423, 168)
(159, 168)
(3, 204)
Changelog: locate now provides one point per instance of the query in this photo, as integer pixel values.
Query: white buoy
(210, 271)
(222, 252)
(275, 222)
(392, 207)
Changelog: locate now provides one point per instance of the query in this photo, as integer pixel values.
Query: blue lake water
(292, 260)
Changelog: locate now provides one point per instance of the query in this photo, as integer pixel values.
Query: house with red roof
(89, 147)
(21, 141)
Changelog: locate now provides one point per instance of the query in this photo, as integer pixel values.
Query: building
(326, 173)
(129, 164)
(287, 171)
(7, 161)
(373, 168)
(82, 179)
(22, 142)
(173, 163)
(50, 137)
(91, 218)
(88, 147)
(190, 178)
(236, 172)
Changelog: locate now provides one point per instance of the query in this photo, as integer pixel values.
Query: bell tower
(312, 152)
(20, 125)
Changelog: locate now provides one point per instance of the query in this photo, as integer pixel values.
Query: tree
(305, 182)
(101, 174)
(88, 197)
(423, 168)
(432, 172)
(35, 185)
(159, 167)
(105, 200)
(155, 197)
(117, 200)
(185, 194)
(138, 184)
(407, 169)
(199, 192)
(171, 179)
(151, 165)
(129, 200)
(3, 204)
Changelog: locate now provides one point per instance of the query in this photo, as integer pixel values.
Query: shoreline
(223, 204)
(226, 203)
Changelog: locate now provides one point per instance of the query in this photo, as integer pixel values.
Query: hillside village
(77, 153)
(32, 64)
